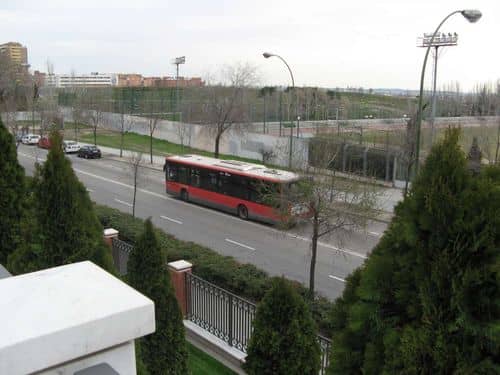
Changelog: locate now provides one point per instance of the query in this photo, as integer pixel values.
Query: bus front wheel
(243, 212)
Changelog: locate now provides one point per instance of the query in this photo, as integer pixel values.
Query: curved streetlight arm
(267, 55)
(290, 70)
(420, 97)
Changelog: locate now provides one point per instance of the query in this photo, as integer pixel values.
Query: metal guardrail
(121, 251)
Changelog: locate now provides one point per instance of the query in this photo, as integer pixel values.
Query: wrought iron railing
(121, 252)
(228, 316)
(219, 312)
(325, 345)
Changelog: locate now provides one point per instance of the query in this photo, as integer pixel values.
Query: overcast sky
(327, 43)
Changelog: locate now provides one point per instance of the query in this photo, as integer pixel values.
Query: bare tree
(78, 111)
(497, 103)
(264, 92)
(332, 206)
(10, 113)
(498, 141)
(135, 169)
(226, 106)
(267, 154)
(184, 132)
(97, 103)
(152, 106)
(76, 102)
(126, 122)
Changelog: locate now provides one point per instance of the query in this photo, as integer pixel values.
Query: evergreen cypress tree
(164, 351)
(284, 339)
(428, 298)
(66, 228)
(11, 195)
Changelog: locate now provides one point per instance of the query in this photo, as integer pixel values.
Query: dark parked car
(89, 152)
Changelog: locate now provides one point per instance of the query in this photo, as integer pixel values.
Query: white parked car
(70, 146)
(30, 139)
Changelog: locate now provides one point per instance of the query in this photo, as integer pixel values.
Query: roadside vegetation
(427, 299)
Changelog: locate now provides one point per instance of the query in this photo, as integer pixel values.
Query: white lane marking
(170, 219)
(213, 212)
(328, 246)
(122, 202)
(240, 244)
(376, 234)
(90, 190)
(336, 278)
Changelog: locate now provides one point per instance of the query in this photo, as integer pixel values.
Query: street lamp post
(268, 55)
(472, 15)
(177, 61)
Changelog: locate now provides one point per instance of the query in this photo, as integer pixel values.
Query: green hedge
(245, 280)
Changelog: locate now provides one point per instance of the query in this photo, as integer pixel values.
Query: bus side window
(225, 185)
(172, 172)
(183, 174)
(212, 178)
(195, 177)
(239, 187)
(254, 191)
(208, 180)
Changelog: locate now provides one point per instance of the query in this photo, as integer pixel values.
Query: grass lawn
(140, 143)
(200, 363)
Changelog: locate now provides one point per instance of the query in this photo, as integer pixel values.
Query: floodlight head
(267, 55)
(472, 15)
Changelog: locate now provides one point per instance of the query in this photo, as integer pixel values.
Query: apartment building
(16, 52)
(137, 80)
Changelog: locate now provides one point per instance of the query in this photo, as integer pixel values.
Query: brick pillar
(109, 234)
(178, 271)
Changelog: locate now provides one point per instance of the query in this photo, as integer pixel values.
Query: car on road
(89, 152)
(44, 142)
(70, 147)
(30, 139)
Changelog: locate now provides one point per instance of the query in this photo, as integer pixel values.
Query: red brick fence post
(178, 271)
(109, 234)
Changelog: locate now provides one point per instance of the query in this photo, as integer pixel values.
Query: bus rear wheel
(243, 212)
(184, 195)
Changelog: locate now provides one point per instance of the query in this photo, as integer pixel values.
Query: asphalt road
(278, 252)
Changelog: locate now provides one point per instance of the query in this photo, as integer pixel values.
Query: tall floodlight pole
(472, 15)
(178, 61)
(441, 40)
(268, 55)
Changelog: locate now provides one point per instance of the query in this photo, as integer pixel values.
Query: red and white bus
(231, 186)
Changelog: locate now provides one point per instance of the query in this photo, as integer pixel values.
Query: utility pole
(177, 61)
